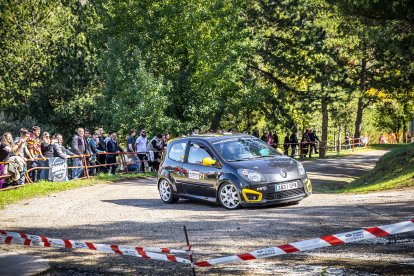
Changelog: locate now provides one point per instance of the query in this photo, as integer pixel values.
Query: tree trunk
(324, 135)
(358, 120)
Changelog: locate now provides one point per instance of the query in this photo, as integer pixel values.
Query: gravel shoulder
(131, 213)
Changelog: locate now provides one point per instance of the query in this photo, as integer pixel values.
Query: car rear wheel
(166, 192)
(229, 196)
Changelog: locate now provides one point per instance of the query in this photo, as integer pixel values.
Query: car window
(177, 152)
(197, 153)
(243, 148)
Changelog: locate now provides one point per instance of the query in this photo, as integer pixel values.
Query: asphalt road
(131, 213)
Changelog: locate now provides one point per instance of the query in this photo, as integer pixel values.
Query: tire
(166, 192)
(229, 197)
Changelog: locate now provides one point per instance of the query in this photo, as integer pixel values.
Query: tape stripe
(165, 250)
(332, 240)
(115, 248)
(90, 245)
(141, 252)
(171, 258)
(202, 264)
(45, 241)
(27, 242)
(8, 240)
(23, 235)
(376, 231)
(68, 244)
(3, 232)
(288, 248)
(246, 256)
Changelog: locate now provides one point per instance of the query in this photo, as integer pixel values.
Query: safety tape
(140, 252)
(332, 240)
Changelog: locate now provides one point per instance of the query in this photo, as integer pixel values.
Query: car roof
(212, 137)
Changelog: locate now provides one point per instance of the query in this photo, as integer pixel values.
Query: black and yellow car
(234, 170)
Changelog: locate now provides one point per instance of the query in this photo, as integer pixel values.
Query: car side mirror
(208, 161)
(279, 150)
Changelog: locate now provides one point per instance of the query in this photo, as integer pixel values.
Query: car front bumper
(252, 197)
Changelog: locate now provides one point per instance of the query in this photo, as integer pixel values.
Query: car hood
(271, 168)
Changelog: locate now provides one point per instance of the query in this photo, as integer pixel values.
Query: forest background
(334, 65)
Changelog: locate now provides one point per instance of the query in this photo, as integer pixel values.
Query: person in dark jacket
(47, 151)
(101, 146)
(79, 147)
(304, 145)
(286, 144)
(58, 149)
(313, 138)
(293, 143)
(275, 139)
(154, 149)
(93, 147)
(113, 147)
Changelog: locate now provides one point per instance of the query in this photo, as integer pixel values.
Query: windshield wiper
(261, 156)
(240, 159)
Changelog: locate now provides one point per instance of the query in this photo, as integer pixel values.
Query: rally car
(234, 170)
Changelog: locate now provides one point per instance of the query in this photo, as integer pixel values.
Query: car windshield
(243, 148)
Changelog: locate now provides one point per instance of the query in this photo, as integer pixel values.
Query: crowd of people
(307, 145)
(31, 151)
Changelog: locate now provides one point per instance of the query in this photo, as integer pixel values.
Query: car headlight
(301, 169)
(251, 175)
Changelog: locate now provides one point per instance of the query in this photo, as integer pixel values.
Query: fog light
(251, 195)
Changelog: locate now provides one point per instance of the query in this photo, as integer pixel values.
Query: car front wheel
(229, 196)
(166, 192)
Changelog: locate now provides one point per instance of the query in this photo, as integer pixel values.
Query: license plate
(286, 186)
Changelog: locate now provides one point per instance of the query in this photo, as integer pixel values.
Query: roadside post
(190, 252)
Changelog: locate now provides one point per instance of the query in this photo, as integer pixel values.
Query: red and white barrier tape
(332, 240)
(140, 252)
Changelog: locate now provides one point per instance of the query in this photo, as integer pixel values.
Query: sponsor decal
(58, 171)
(265, 252)
(264, 188)
(194, 174)
(354, 236)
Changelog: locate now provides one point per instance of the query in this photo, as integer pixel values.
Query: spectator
(33, 144)
(102, 148)
(112, 147)
(47, 151)
(347, 141)
(80, 148)
(313, 137)
(58, 149)
(255, 133)
(154, 149)
(167, 138)
(275, 140)
(24, 151)
(286, 143)
(304, 148)
(7, 149)
(196, 131)
(93, 147)
(293, 143)
(141, 148)
(266, 138)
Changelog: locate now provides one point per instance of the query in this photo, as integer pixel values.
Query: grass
(394, 170)
(45, 187)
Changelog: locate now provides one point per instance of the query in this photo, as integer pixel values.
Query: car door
(199, 180)
(174, 164)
